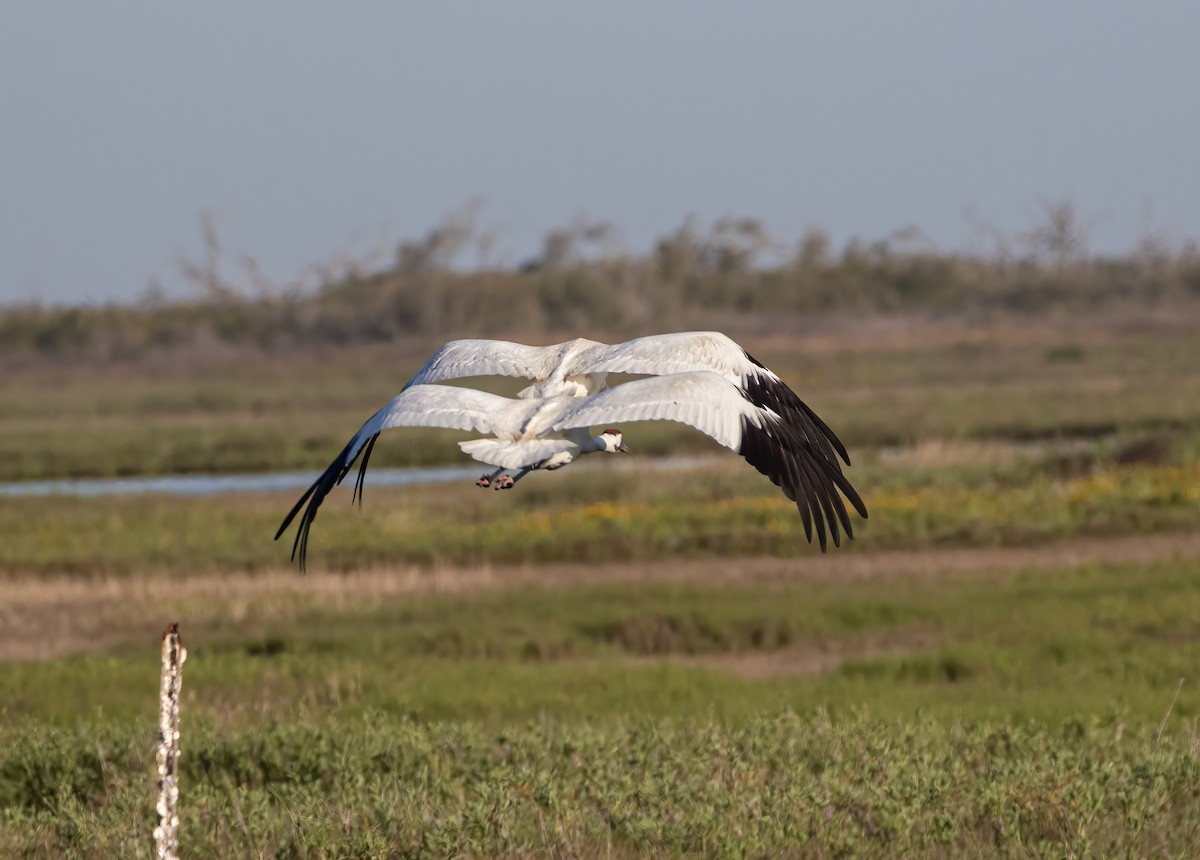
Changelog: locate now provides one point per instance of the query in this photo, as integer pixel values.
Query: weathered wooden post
(166, 838)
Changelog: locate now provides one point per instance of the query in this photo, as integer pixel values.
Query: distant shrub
(691, 278)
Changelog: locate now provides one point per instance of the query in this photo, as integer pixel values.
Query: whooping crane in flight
(702, 379)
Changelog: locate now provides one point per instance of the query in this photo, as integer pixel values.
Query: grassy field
(783, 785)
(594, 512)
(717, 708)
(917, 382)
(616, 660)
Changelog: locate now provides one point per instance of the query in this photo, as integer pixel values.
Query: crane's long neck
(594, 444)
(589, 444)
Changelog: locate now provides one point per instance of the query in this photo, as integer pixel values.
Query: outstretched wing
(685, 352)
(479, 357)
(418, 406)
(714, 405)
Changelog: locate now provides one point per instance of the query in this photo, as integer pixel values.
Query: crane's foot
(485, 482)
(505, 482)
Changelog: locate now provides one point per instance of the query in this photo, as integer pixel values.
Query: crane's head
(612, 442)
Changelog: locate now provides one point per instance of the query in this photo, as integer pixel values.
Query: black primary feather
(774, 394)
(330, 478)
(807, 477)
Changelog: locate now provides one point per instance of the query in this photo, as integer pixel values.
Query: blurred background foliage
(729, 274)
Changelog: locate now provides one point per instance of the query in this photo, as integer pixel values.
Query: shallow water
(207, 485)
(211, 485)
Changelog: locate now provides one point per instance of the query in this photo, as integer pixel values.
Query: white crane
(702, 379)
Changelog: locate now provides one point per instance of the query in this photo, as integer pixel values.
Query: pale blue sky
(303, 125)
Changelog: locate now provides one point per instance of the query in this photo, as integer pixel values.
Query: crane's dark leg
(507, 482)
(487, 479)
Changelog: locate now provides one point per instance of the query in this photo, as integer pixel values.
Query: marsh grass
(1010, 714)
(613, 661)
(780, 784)
(1039, 643)
(595, 512)
(276, 413)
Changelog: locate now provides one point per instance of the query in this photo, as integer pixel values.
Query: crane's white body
(701, 379)
(537, 428)
(521, 429)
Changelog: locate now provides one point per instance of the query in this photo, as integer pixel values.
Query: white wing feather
(703, 399)
(477, 357)
(702, 379)
(682, 352)
(449, 407)
(445, 406)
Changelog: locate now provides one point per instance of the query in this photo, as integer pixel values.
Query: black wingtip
(360, 480)
(825, 429)
(287, 521)
(786, 455)
(766, 390)
(310, 502)
(805, 518)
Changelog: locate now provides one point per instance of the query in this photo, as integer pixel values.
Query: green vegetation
(996, 383)
(1094, 639)
(376, 786)
(596, 512)
(617, 660)
(977, 715)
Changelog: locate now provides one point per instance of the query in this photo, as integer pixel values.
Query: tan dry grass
(43, 618)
